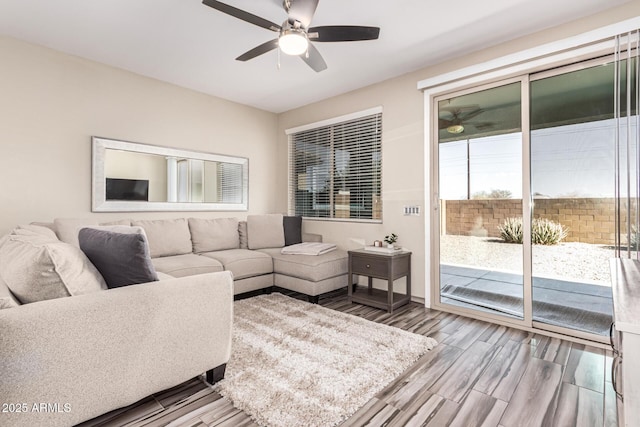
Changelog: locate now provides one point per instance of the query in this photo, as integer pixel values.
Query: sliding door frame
(585, 64)
(599, 55)
(526, 207)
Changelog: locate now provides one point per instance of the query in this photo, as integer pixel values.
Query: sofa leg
(314, 299)
(216, 374)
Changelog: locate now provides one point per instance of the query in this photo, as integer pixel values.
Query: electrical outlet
(412, 210)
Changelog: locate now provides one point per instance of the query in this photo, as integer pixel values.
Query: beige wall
(52, 103)
(403, 142)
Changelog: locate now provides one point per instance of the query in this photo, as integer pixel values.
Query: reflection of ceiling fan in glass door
(457, 115)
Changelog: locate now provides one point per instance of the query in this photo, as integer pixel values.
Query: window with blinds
(335, 169)
(229, 180)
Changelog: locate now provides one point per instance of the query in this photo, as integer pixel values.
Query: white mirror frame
(98, 185)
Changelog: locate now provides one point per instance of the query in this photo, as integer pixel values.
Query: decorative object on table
(377, 243)
(310, 365)
(390, 240)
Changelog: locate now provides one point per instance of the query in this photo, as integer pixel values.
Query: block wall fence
(589, 220)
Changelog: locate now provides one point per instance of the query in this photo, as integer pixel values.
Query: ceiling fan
(295, 35)
(459, 115)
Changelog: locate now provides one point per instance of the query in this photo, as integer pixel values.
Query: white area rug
(300, 364)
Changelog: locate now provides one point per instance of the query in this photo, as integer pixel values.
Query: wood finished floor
(480, 374)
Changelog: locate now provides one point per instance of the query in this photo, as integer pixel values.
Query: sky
(576, 160)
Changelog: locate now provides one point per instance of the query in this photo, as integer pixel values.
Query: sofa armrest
(311, 237)
(93, 353)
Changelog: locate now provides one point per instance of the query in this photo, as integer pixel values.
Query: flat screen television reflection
(127, 189)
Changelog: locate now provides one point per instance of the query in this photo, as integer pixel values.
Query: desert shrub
(547, 232)
(511, 230)
(634, 237)
(493, 194)
(543, 231)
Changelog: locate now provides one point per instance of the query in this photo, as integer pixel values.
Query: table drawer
(369, 267)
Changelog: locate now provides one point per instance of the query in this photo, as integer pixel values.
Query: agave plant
(543, 231)
(511, 230)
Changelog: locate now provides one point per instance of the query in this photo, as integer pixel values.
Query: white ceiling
(189, 44)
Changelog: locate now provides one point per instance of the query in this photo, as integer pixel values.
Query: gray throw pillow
(292, 230)
(122, 258)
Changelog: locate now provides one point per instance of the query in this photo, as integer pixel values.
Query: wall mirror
(131, 177)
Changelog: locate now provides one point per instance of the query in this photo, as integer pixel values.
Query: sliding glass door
(480, 192)
(530, 177)
(536, 184)
(573, 185)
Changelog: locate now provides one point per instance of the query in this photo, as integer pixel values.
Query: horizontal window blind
(335, 170)
(229, 183)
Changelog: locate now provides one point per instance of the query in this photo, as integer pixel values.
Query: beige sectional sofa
(67, 360)
(76, 353)
(249, 249)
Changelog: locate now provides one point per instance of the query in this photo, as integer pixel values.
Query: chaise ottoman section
(242, 263)
(310, 274)
(186, 265)
(252, 270)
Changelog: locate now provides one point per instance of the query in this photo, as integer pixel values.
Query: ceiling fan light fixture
(293, 42)
(455, 129)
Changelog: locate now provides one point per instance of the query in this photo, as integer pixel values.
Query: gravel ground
(569, 261)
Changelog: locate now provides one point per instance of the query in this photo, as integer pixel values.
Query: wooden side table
(378, 265)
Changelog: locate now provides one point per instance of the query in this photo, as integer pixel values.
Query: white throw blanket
(308, 248)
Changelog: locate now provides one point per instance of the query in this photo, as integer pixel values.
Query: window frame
(330, 123)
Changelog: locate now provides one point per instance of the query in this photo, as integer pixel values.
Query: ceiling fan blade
(342, 33)
(258, 50)
(301, 10)
(314, 60)
(444, 123)
(241, 14)
(472, 114)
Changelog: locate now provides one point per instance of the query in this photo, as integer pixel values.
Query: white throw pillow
(36, 268)
(30, 229)
(265, 231)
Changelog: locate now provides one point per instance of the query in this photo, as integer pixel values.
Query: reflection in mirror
(138, 177)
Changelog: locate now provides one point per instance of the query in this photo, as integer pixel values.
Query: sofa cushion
(30, 229)
(243, 263)
(67, 228)
(122, 258)
(310, 267)
(292, 230)
(186, 265)
(37, 268)
(163, 276)
(214, 234)
(7, 300)
(242, 232)
(265, 231)
(166, 236)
